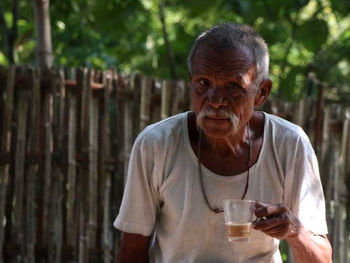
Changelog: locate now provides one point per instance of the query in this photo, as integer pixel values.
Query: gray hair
(228, 36)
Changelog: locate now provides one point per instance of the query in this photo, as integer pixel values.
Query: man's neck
(230, 145)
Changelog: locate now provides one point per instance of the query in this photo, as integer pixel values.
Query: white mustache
(218, 113)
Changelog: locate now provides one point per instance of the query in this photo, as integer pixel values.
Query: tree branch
(4, 28)
(167, 44)
(14, 32)
(43, 33)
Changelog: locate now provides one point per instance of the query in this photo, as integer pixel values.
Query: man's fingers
(279, 231)
(260, 204)
(262, 210)
(268, 223)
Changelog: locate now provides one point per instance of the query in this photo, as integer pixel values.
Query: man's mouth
(219, 118)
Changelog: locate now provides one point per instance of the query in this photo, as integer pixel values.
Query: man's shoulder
(286, 136)
(284, 128)
(164, 129)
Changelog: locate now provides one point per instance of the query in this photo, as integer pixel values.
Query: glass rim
(238, 200)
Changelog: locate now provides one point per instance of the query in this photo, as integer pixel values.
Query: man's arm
(277, 221)
(307, 247)
(133, 248)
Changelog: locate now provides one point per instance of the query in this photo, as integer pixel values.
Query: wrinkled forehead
(223, 60)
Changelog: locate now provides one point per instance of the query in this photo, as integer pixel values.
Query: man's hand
(279, 222)
(276, 221)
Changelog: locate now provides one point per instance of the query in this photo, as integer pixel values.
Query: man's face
(223, 90)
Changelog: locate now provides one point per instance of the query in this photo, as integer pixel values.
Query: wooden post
(71, 223)
(56, 196)
(83, 171)
(156, 100)
(334, 175)
(5, 145)
(300, 114)
(116, 146)
(105, 155)
(342, 189)
(318, 123)
(346, 258)
(33, 149)
(18, 198)
(135, 86)
(47, 119)
(179, 98)
(146, 92)
(310, 117)
(93, 174)
(128, 123)
(324, 149)
(167, 94)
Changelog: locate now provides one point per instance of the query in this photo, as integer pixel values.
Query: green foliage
(303, 36)
(3, 60)
(312, 34)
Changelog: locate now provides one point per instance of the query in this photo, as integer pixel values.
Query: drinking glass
(238, 218)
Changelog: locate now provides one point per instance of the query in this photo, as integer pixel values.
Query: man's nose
(216, 98)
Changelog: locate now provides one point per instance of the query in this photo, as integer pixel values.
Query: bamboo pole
(167, 93)
(47, 119)
(93, 174)
(47, 184)
(117, 136)
(105, 154)
(5, 145)
(83, 171)
(324, 149)
(71, 233)
(179, 98)
(318, 119)
(342, 186)
(335, 178)
(146, 92)
(128, 123)
(300, 114)
(155, 102)
(346, 258)
(33, 149)
(18, 198)
(55, 212)
(310, 120)
(135, 86)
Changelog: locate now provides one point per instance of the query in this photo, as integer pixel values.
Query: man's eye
(234, 85)
(204, 82)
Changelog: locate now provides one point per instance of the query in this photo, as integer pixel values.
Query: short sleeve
(303, 190)
(140, 203)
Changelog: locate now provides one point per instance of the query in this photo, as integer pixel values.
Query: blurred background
(153, 37)
(80, 79)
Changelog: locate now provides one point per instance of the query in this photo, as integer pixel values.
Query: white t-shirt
(163, 194)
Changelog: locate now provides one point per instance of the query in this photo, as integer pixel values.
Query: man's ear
(263, 92)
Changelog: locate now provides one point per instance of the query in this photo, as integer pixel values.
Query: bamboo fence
(65, 140)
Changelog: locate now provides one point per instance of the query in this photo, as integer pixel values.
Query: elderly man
(183, 167)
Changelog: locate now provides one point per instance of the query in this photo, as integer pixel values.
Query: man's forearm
(133, 248)
(307, 247)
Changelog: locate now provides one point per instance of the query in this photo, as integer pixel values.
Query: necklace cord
(218, 210)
